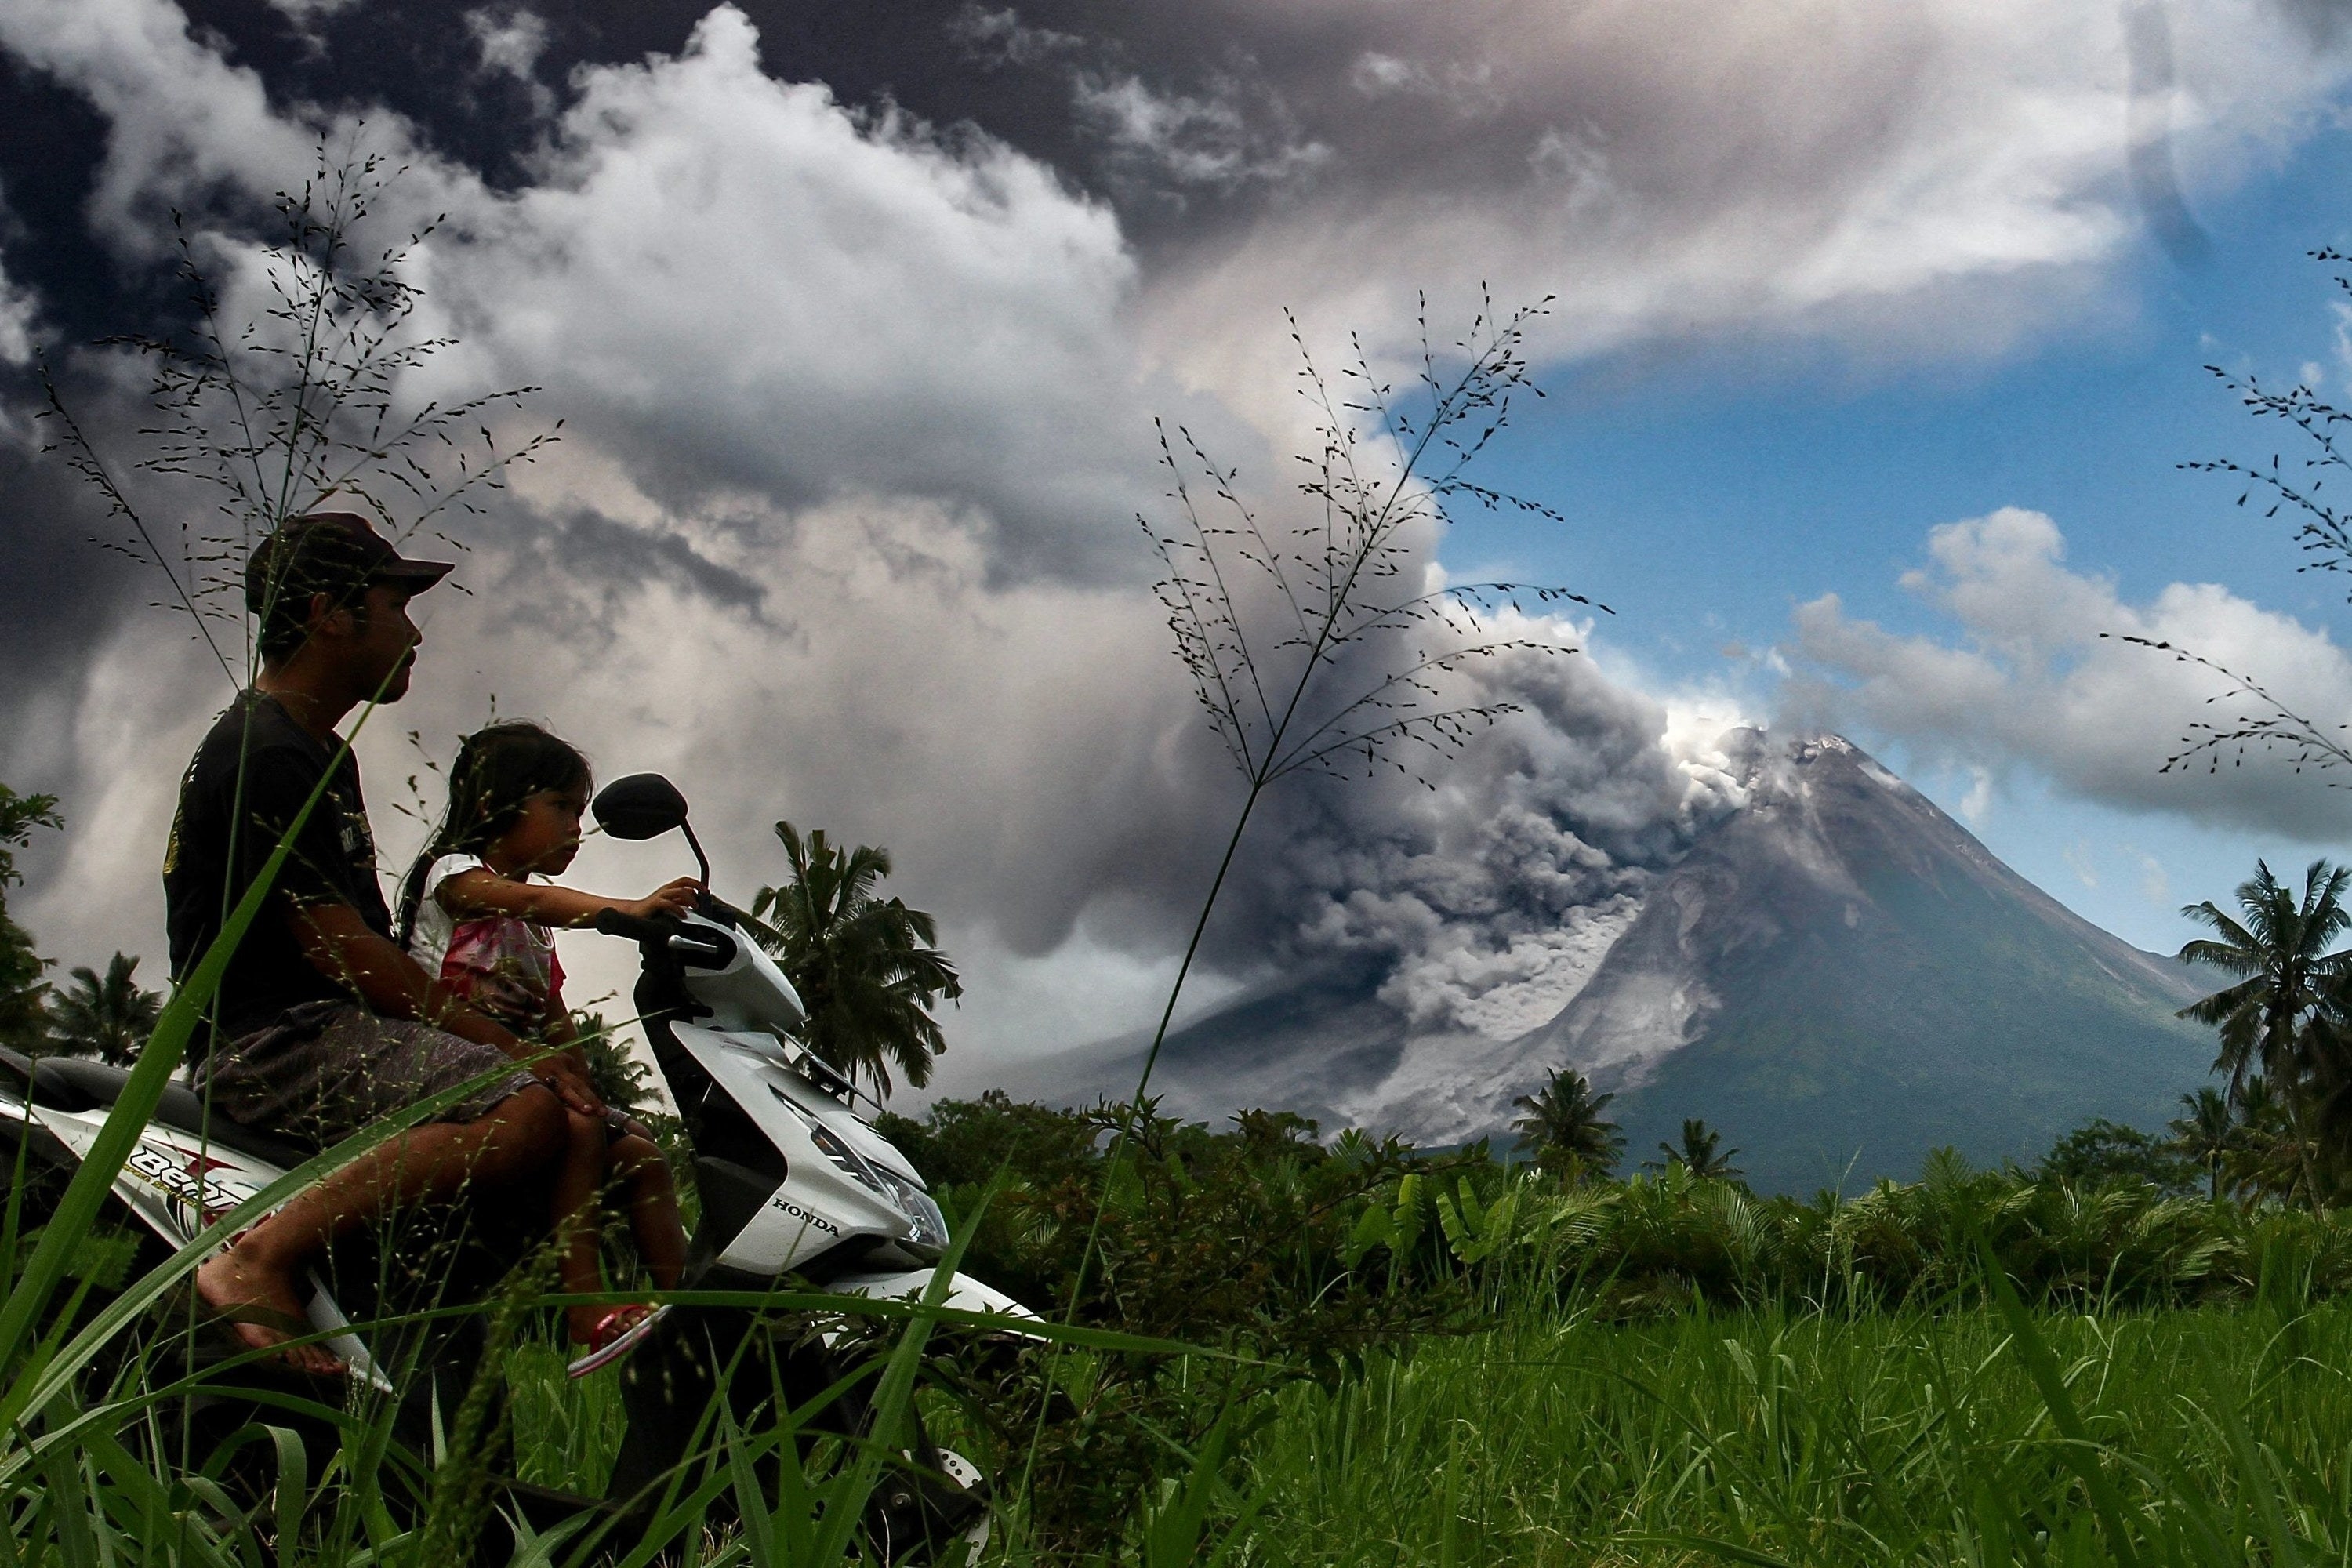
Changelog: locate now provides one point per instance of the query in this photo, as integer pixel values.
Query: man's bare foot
(255, 1302)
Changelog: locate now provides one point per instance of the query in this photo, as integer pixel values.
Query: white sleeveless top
(502, 964)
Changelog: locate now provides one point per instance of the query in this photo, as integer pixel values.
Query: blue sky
(1710, 491)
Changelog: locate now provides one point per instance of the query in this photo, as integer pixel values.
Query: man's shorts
(325, 1069)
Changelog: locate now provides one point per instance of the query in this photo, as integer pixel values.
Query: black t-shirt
(247, 784)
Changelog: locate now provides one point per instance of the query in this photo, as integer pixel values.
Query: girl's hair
(497, 770)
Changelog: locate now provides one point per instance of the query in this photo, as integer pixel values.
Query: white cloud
(511, 42)
(1001, 37)
(1978, 802)
(730, 281)
(182, 123)
(17, 312)
(2154, 881)
(2028, 679)
(1203, 140)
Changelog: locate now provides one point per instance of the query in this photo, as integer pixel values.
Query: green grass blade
(846, 1505)
(751, 1505)
(1730, 1550)
(51, 1375)
(2079, 1452)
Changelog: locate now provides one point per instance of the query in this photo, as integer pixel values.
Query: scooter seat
(77, 1083)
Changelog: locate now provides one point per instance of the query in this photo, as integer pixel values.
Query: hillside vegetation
(1409, 1360)
(1586, 1356)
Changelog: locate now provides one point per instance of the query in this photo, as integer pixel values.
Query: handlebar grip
(697, 945)
(702, 947)
(636, 928)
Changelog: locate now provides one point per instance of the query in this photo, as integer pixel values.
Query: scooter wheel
(968, 1475)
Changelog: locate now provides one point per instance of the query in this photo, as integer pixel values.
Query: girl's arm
(471, 894)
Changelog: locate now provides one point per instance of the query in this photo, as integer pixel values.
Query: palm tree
(620, 1080)
(2327, 1050)
(2267, 1157)
(23, 995)
(2283, 950)
(867, 968)
(1563, 1123)
(2208, 1133)
(108, 1018)
(1699, 1152)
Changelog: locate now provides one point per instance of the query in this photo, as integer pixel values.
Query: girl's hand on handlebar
(670, 899)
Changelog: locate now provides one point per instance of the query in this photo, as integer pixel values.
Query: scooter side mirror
(642, 805)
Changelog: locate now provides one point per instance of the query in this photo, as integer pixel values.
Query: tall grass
(1865, 1440)
(1775, 1435)
(1959, 1430)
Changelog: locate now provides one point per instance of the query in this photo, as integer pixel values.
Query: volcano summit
(1836, 974)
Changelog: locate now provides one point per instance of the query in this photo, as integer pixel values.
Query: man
(322, 1025)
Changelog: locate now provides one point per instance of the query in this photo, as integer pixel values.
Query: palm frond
(869, 969)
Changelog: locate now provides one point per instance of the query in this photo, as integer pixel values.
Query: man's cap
(335, 553)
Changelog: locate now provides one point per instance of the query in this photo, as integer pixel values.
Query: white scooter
(793, 1185)
(796, 1190)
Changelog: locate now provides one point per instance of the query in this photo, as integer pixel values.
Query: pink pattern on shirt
(505, 967)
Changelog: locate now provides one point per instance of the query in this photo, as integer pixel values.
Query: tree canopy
(108, 1016)
(869, 969)
(620, 1079)
(1563, 1125)
(1698, 1151)
(23, 995)
(2288, 1018)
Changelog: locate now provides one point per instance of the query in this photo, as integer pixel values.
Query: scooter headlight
(930, 1225)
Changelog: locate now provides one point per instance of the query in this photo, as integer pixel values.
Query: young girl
(476, 909)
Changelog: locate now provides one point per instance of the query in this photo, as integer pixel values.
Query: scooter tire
(933, 1510)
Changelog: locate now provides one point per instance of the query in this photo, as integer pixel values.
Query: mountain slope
(1838, 975)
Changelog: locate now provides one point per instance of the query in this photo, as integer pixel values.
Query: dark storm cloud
(62, 591)
(611, 559)
(1204, 121)
(1668, 167)
(853, 424)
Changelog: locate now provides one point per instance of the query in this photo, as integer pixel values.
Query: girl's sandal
(616, 1333)
(616, 1323)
